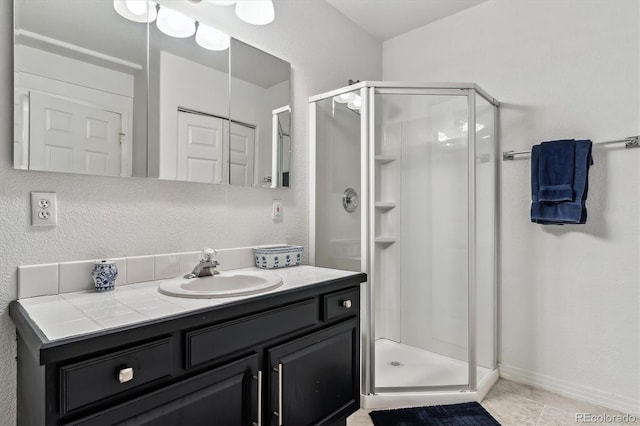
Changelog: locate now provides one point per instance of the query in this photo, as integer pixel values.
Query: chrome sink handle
(206, 267)
(207, 253)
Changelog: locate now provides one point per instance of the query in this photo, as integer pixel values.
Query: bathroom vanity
(286, 357)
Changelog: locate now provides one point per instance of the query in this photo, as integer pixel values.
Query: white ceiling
(385, 19)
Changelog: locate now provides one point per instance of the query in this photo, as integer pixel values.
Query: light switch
(276, 214)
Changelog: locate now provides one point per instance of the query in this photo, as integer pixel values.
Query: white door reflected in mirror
(68, 136)
(200, 152)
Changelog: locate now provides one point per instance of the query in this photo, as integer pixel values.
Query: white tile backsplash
(236, 258)
(37, 280)
(167, 266)
(68, 277)
(76, 276)
(121, 264)
(140, 268)
(188, 261)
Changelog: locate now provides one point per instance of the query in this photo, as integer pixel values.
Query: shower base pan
(403, 366)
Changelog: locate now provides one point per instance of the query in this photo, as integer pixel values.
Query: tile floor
(513, 404)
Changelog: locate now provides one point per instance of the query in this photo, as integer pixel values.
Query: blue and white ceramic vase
(104, 274)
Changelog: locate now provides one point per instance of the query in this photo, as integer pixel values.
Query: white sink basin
(227, 284)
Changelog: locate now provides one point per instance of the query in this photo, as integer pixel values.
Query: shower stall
(403, 187)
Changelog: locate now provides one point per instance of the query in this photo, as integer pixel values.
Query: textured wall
(569, 295)
(107, 217)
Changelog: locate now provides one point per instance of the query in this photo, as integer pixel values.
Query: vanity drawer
(207, 344)
(88, 381)
(341, 303)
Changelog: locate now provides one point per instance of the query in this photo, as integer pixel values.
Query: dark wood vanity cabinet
(314, 378)
(287, 358)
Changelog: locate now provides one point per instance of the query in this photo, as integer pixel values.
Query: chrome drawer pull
(125, 375)
(346, 303)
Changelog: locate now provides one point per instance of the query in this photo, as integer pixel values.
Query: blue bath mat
(467, 414)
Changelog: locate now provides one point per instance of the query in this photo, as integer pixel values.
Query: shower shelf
(386, 240)
(384, 159)
(384, 205)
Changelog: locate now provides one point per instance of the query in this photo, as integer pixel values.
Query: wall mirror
(259, 86)
(99, 94)
(80, 89)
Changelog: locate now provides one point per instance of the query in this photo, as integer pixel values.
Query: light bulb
(222, 2)
(136, 7)
(175, 24)
(256, 12)
(136, 10)
(211, 38)
(356, 103)
(345, 98)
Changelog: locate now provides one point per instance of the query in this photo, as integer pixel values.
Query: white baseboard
(572, 390)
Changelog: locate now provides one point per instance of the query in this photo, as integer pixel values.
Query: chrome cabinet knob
(346, 303)
(125, 375)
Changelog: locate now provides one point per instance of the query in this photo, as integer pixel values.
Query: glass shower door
(338, 184)
(419, 188)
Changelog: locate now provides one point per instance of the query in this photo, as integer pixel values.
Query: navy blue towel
(549, 204)
(555, 171)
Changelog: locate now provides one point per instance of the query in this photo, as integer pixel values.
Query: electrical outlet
(44, 209)
(276, 213)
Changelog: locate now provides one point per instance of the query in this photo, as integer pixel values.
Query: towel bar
(629, 142)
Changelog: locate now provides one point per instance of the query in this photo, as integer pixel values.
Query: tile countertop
(72, 314)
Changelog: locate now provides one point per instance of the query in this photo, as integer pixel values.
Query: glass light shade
(256, 12)
(345, 98)
(136, 10)
(211, 38)
(136, 7)
(222, 2)
(356, 103)
(175, 24)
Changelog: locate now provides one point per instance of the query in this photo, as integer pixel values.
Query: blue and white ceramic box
(273, 257)
(104, 274)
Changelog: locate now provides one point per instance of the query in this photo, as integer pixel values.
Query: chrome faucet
(206, 267)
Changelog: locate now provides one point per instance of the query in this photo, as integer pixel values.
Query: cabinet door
(315, 379)
(225, 396)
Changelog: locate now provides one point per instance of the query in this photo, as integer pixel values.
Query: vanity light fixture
(256, 12)
(172, 23)
(211, 38)
(136, 10)
(355, 104)
(175, 24)
(345, 98)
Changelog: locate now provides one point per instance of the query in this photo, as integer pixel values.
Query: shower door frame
(368, 90)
